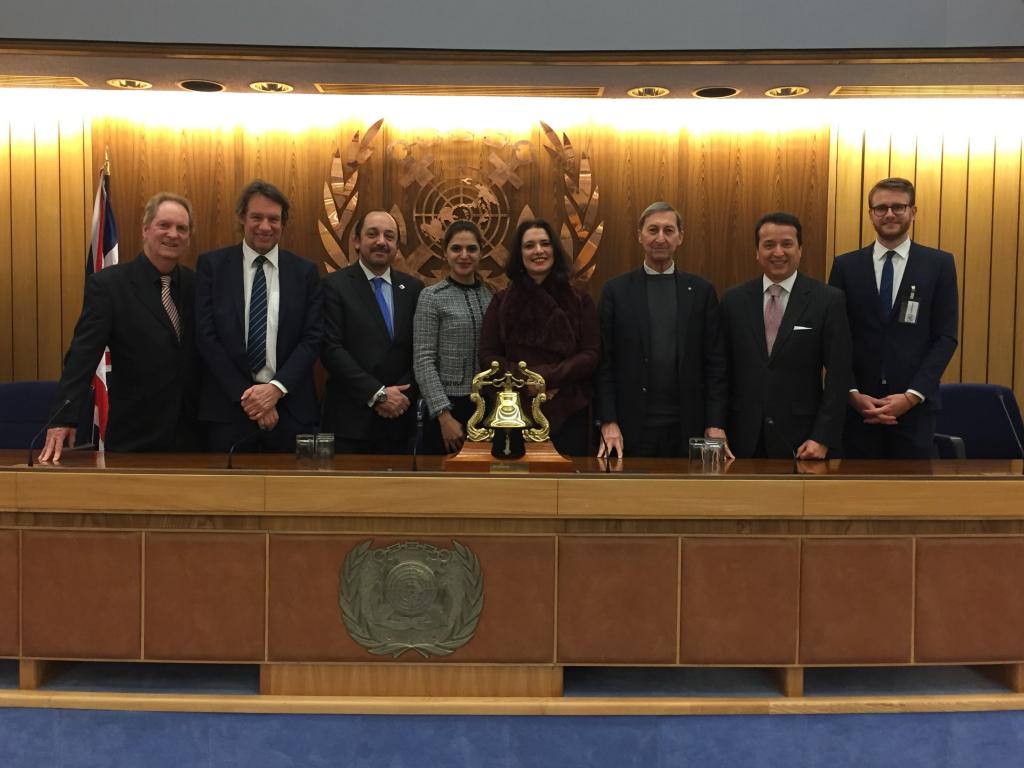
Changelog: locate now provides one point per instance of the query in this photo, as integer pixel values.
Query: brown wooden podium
(641, 563)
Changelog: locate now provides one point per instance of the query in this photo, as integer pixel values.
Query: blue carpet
(81, 739)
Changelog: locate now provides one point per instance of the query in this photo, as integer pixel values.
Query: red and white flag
(102, 253)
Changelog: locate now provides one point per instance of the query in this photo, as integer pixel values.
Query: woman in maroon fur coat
(543, 319)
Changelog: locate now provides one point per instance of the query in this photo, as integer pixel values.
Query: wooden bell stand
(539, 457)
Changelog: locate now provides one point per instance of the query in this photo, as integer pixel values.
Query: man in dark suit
(779, 331)
(259, 326)
(661, 379)
(143, 311)
(367, 351)
(902, 302)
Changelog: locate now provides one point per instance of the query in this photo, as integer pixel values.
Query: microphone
(1009, 421)
(421, 412)
(46, 426)
(239, 443)
(778, 433)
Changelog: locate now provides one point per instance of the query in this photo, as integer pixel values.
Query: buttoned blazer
(359, 355)
(786, 386)
(221, 334)
(623, 376)
(905, 355)
(153, 385)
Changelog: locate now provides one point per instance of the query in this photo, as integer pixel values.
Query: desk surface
(432, 465)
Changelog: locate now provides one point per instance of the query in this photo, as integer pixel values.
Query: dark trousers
(663, 441)
(433, 444)
(573, 436)
(220, 436)
(913, 437)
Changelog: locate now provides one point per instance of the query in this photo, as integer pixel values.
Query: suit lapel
(868, 285)
(364, 292)
(755, 307)
(638, 299)
(911, 275)
(684, 302)
(149, 294)
(236, 287)
(795, 307)
(401, 296)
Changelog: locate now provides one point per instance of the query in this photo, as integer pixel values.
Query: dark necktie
(885, 286)
(256, 348)
(772, 315)
(378, 291)
(169, 306)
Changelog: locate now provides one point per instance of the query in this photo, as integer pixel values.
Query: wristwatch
(380, 397)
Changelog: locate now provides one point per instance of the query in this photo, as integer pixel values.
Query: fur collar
(545, 317)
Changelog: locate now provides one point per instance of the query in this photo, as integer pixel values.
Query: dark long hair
(516, 271)
(462, 225)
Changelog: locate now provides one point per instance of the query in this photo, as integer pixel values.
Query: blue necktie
(382, 302)
(256, 348)
(885, 287)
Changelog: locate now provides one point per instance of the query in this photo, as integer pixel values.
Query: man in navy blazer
(273, 399)
(902, 302)
(661, 379)
(367, 351)
(780, 406)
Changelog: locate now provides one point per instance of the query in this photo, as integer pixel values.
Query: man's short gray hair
(660, 207)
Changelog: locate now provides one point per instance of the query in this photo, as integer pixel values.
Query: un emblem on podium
(411, 596)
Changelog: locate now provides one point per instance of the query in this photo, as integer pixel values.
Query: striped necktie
(256, 348)
(169, 306)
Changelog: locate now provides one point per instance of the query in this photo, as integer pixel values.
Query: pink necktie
(772, 315)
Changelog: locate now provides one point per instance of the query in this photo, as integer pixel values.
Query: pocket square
(802, 328)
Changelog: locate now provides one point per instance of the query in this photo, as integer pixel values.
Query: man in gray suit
(779, 331)
(367, 351)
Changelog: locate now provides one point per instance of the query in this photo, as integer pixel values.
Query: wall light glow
(298, 113)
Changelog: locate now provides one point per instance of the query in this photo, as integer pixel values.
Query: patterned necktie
(885, 286)
(256, 348)
(772, 315)
(169, 306)
(382, 302)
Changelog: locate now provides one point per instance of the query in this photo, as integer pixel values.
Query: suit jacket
(624, 373)
(360, 356)
(890, 356)
(787, 385)
(153, 384)
(220, 327)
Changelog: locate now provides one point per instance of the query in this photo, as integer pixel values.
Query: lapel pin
(401, 286)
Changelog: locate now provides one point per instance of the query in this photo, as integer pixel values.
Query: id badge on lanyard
(909, 308)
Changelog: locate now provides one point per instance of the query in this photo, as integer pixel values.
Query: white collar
(370, 275)
(249, 255)
(787, 284)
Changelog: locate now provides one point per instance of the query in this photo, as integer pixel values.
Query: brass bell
(508, 412)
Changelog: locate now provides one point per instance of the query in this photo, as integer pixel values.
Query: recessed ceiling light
(716, 92)
(648, 92)
(201, 86)
(787, 91)
(269, 86)
(129, 84)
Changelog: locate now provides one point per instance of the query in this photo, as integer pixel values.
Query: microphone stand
(421, 407)
(238, 443)
(1009, 421)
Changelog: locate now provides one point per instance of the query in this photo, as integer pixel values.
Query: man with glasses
(901, 299)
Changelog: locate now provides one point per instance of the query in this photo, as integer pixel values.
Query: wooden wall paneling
(1018, 363)
(877, 146)
(849, 172)
(6, 257)
(75, 221)
(23, 248)
(928, 181)
(718, 255)
(977, 259)
(830, 205)
(953, 226)
(803, 168)
(1003, 292)
(48, 250)
(903, 154)
(209, 181)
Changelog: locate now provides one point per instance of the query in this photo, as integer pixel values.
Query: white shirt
(787, 288)
(899, 264)
(271, 271)
(670, 271)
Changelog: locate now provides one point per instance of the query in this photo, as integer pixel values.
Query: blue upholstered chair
(985, 416)
(24, 409)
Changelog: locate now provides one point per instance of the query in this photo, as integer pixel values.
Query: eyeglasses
(899, 209)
